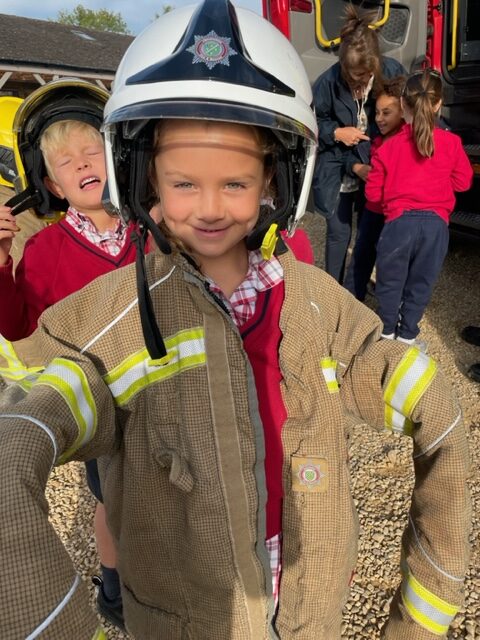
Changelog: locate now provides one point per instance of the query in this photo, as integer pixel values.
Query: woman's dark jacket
(335, 107)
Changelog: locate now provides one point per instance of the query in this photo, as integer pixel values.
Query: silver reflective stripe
(440, 437)
(434, 564)
(74, 382)
(415, 370)
(68, 379)
(424, 608)
(124, 312)
(56, 611)
(185, 350)
(42, 426)
(408, 383)
(398, 421)
(329, 370)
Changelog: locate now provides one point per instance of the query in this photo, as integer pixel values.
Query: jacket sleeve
(324, 109)
(401, 389)
(51, 420)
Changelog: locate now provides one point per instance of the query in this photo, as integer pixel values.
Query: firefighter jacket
(183, 473)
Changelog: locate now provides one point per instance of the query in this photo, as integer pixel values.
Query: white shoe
(414, 342)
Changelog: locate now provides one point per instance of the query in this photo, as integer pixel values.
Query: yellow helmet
(8, 108)
(64, 99)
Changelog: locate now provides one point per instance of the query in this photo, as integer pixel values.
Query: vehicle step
(466, 219)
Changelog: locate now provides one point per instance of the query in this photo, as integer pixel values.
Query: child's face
(79, 172)
(388, 115)
(210, 178)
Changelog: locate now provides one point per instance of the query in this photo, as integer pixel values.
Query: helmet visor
(135, 117)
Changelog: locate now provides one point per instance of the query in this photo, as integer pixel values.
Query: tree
(166, 9)
(101, 20)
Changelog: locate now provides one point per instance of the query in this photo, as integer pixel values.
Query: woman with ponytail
(414, 176)
(345, 107)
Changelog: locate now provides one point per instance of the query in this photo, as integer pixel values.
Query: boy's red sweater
(402, 180)
(57, 261)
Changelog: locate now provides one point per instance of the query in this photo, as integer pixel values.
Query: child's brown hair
(359, 48)
(393, 87)
(422, 95)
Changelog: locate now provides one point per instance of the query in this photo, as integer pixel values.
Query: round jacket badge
(310, 475)
(211, 50)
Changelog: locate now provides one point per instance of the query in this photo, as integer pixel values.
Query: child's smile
(210, 178)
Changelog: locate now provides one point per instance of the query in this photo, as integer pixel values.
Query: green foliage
(101, 20)
(166, 9)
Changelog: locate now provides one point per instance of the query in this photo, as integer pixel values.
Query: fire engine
(439, 34)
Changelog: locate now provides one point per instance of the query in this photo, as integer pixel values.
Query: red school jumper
(57, 261)
(261, 339)
(402, 180)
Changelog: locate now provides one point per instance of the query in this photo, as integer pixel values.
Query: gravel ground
(381, 470)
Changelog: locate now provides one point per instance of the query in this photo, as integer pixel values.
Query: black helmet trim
(213, 39)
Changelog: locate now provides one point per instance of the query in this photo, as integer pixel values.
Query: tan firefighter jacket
(183, 478)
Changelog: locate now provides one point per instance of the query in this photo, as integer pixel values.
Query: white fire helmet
(210, 61)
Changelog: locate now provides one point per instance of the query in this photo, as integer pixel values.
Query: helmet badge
(212, 50)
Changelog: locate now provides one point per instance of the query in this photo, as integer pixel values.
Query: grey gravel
(381, 471)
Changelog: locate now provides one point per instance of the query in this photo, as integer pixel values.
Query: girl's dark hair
(359, 48)
(422, 93)
(393, 87)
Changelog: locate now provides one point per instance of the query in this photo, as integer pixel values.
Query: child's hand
(8, 229)
(361, 170)
(350, 136)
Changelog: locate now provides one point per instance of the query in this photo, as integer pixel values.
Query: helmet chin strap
(28, 198)
(151, 333)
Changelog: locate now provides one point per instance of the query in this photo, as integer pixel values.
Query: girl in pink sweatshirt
(414, 177)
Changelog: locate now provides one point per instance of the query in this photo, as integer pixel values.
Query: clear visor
(135, 117)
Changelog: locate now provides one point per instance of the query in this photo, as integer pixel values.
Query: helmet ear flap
(281, 210)
(48, 201)
(140, 191)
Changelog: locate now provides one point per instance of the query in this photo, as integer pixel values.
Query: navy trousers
(410, 255)
(339, 232)
(364, 253)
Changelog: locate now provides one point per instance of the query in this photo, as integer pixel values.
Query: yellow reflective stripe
(394, 421)
(329, 370)
(100, 634)
(186, 350)
(427, 609)
(69, 380)
(408, 383)
(16, 369)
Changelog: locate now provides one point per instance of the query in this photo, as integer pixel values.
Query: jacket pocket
(146, 621)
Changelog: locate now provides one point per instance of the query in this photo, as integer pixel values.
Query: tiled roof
(24, 41)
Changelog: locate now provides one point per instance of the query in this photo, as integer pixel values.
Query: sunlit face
(79, 173)
(210, 178)
(388, 115)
